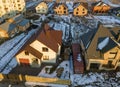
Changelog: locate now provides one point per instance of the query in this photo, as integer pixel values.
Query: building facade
(42, 8)
(9, 8)
(100, 7)
(61, 9)
(43, 47)
(80, 10)
(103, 49)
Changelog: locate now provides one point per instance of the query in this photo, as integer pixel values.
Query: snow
(65, 74)
(107, 20)
(79, 58)
(111, 4)
(9, 49)
(103, 43)
(10, 66)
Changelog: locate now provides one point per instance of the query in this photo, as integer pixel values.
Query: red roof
(77, 64)
(49, 37)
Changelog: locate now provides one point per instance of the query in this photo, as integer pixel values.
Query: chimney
(47, 30)
(118, 36)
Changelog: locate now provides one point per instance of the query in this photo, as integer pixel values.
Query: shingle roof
(85, 5)
(87, 37)
(110, 44)
(23, 22)
(48, 38)
(17, 17)
(8, 26)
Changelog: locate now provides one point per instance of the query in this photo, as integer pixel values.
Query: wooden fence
(13, 78)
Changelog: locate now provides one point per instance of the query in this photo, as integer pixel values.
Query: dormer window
(44, 49)
(26, 53)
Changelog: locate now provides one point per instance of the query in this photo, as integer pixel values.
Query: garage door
(24, 62)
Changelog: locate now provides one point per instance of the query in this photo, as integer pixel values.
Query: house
(42, 8)
(61, 9)
(80, 9)
(102, 51)
(100, 7)
(8, 30)
(9, 8)
(115, 11)
(20, 22)
(43, 47)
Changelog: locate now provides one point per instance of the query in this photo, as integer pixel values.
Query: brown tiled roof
(47, 36)
(57, 36)
(85, 5)
(101, 32)
(33, 51)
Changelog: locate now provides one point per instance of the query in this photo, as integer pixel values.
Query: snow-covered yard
(65, 73)
(9, 49)
(108, 20)
(97, 80)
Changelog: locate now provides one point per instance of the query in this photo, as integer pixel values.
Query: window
(64, 8)
(77, 9)
(83, 9)
(64, 12)
(109, 65)
(112, 55)
(45, 57)
(44, 49)
(26, 53)
(83, 12)
(94, 66)
(76, 12)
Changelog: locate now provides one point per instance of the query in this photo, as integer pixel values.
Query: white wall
(52, 55)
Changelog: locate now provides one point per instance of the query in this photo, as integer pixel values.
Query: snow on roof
(103, 43)
(9, 50)
(70, 6)
(79, 58)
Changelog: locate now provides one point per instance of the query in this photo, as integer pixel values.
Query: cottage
(8, 30)
(20, 22)
(100, 7)
(42, 8)
(102, 51)
(61, 9)
(44, 47)
(80, 9)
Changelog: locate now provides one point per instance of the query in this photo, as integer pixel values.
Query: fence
(13, 78)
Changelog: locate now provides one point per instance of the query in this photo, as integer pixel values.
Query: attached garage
(24, 62)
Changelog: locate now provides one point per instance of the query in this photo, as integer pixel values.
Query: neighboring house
(101, 48)
(42, 8)
(7, 30)
(100, 7)
(20, 22)
(61, 9)
(80, 9)
(43, 47)
(115, 11)
(9, 8)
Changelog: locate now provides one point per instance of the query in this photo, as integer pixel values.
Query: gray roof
(111, 44)
(18, 17)
(23, 22)
(8, 26)
(87, 37)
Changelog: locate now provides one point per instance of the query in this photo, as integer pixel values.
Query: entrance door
(24, 62)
